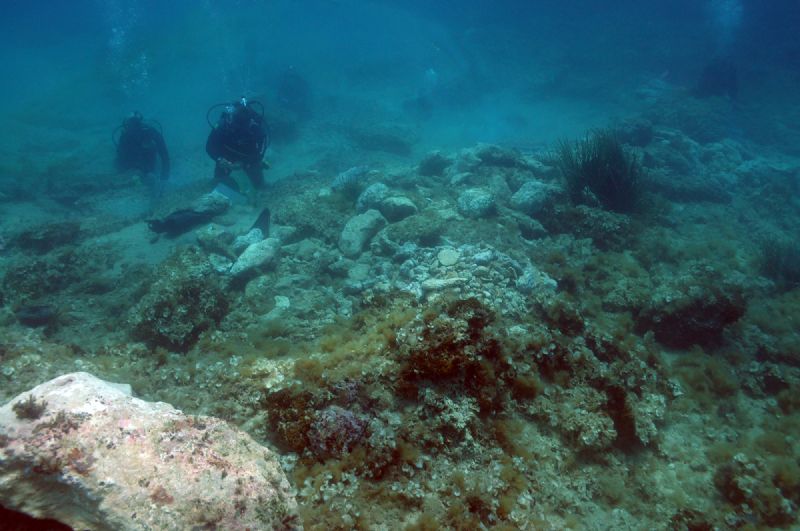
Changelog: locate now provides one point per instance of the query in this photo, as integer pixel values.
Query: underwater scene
(400, 265)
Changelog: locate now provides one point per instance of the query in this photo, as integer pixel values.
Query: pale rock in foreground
(98, 458)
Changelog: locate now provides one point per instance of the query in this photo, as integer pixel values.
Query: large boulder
(83, 451)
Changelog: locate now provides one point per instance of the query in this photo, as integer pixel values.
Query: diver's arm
(262, 142)
(214, 146)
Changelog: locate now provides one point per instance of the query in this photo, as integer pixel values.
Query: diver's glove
(225, 164)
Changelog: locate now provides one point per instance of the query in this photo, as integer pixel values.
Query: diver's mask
(134, 120)
(227, 114)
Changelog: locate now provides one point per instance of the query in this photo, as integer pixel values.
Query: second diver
(239, 139)
(141, 147)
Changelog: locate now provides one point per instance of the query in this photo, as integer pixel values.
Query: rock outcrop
(83, 451)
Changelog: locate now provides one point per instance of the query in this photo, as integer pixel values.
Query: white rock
(97, 458)
(257, 257)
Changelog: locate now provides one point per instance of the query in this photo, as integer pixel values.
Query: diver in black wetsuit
(141, 147)
(239, 139)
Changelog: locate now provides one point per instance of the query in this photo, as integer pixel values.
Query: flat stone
(448, 256)
(94, 457)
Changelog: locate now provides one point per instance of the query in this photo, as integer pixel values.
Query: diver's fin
(262, 222)
(234, 195)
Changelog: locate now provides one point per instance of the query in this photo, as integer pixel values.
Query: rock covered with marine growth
(84, 452)
(533, 196)
(359, 230)
(476, 203)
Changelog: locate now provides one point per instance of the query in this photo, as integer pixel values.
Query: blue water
(496, 63)
(378, 85)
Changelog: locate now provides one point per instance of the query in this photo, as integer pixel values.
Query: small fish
(179, 222)
(350, 179)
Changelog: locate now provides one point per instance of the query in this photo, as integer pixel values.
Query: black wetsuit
(141, 147)
(240, 138)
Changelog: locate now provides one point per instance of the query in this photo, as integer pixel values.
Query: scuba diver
(238, 140)
(141, 147)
